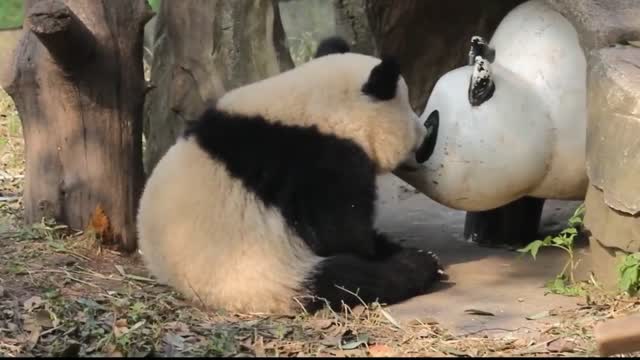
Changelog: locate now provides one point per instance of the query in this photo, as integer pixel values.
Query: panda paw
(438, 265)
(425, 263)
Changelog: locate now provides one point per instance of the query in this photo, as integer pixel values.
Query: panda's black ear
(479, 47)
(332, 45)
(481, 85)
(383, 79)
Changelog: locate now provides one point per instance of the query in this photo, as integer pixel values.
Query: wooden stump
(204, 48)
(78, 85)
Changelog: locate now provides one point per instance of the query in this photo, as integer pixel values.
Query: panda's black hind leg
(384, 247)
(403, 275)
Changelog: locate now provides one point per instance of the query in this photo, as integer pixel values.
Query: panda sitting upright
(266, 202)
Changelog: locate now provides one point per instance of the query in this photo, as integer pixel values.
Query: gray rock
(601, 23)
(613, 151)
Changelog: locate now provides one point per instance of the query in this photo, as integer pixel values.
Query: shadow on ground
(499, 281)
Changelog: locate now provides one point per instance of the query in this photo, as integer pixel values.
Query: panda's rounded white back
(326, 92)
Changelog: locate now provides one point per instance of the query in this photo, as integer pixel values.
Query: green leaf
(578, 216)
(629, 278)
(559, 240)
(533, 248)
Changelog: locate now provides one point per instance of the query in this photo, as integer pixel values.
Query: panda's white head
(350, 95)
(492, 140)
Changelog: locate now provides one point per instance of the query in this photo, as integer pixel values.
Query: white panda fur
(205, 227)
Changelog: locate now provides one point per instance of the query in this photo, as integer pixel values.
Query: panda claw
(439, 266)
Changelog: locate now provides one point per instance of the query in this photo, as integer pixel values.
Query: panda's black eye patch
(428, 145)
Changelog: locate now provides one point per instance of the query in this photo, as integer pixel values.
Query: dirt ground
(61, 293)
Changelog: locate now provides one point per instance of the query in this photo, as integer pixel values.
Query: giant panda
(266, 202)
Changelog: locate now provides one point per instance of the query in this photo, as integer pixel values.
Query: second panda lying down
(266, 203)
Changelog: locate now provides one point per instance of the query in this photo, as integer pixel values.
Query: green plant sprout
(564, 283)
(629, 274)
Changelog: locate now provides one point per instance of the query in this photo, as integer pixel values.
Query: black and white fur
(266, 203)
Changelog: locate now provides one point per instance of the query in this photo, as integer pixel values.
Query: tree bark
(352, 24)
(431, 37)
(77, 82)
(203, 49)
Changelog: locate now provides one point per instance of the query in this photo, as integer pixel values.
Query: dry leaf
(31, 326)
(120, 328)
(381, 350)
(258, 347)
(347, 353)
(43, 319)
(357, 311)
(321, 324)
(137, 325)
(178, 327)
(539, 315)
(424, 321)
(424, 333)
(32, 303)
(174, 341)
(390, 318)
(561, 345)
(478, 312)
(521, 343)
(120, 270)
(330, 341)
(100, 224)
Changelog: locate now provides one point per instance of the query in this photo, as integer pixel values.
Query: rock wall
(608, 30)
(613, 158)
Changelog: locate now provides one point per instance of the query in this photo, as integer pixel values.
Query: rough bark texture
(431, 37)
(352, 23)
(77, 82)
(202, 49)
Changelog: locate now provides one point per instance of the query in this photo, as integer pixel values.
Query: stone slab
(601, 23)
(613, 149)
(499, 281)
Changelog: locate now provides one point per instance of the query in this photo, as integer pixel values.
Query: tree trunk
(431, 37)
(352, 23)
(204, 48)
(78, 85)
